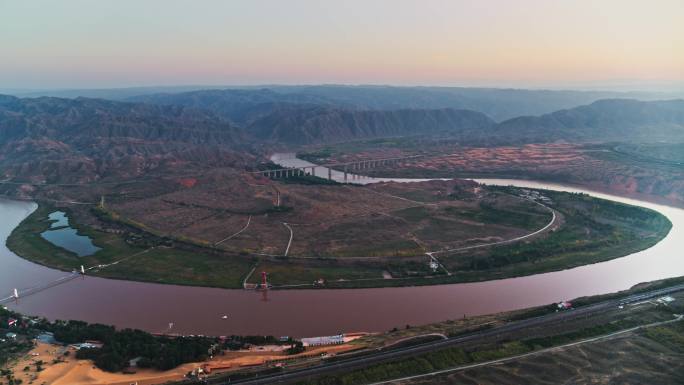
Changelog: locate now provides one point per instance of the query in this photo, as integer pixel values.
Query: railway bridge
(349, 169)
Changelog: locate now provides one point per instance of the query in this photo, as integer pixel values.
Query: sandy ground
(83, 372)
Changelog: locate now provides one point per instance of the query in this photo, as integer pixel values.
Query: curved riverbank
(581, 231)
(195, 310)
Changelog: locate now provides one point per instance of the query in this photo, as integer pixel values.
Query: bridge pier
(345, 173)
(329, 173)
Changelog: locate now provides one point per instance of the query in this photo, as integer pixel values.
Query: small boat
(224, 317)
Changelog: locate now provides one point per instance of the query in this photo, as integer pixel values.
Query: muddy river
(195, 310)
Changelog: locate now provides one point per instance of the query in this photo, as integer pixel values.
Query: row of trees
(159, 352)
(120, 346)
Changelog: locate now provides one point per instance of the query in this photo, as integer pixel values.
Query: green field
(293, 273)
(150, 262)
(593, 230)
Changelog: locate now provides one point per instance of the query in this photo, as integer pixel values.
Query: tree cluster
(121, 346)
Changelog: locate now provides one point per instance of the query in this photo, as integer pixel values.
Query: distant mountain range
(603, 120)
(234, 103)
(238, 105)
(84, 139)
(326, 125)
(320, 114)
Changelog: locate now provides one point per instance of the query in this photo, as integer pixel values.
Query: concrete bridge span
(350, 169)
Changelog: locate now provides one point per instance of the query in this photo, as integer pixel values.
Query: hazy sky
(117, 43)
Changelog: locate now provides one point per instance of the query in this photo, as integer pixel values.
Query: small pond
(66, 237)
(58, 219)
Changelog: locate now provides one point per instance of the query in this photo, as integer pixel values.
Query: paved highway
(382, 356)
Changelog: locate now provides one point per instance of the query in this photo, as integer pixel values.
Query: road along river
(309, 312)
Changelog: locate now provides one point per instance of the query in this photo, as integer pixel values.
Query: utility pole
(277, 200)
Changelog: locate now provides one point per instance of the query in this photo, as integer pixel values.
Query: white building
(326, 340)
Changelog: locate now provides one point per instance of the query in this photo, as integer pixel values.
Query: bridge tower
(264, 280)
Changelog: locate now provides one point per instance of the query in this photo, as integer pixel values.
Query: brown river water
(299, 313)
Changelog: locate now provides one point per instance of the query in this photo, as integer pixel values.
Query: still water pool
(66, 237)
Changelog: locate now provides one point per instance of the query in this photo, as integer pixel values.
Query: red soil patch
(188, 182)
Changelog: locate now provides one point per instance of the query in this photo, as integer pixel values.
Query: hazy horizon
(668, 90)
(533, 44)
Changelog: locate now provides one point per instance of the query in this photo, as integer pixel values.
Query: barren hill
(53, 139)
(610, 119)
(325, 125)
